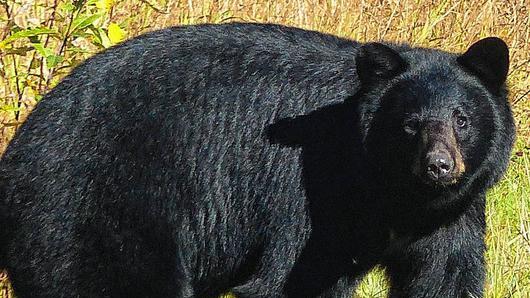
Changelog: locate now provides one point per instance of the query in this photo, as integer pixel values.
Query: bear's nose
(439, 165)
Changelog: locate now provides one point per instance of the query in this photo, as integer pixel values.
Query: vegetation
(41, 40)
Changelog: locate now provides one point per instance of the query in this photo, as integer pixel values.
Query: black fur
(196, 160)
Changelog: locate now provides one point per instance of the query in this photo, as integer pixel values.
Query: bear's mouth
(439, 183)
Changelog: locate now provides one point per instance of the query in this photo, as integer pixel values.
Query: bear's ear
(377, 62)
(488, 59)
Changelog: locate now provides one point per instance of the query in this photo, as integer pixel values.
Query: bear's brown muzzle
(439, 160)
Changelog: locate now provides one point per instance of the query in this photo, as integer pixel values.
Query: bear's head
(436, 119)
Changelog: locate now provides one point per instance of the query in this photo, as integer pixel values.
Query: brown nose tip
(439, 165)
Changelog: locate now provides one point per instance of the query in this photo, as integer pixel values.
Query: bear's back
(177, 111)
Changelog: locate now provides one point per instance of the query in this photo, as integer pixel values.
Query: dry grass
(449, 25)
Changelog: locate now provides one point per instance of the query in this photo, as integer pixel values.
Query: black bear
(260, 159)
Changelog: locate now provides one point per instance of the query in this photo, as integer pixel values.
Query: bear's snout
(439, 165)
(439, 160)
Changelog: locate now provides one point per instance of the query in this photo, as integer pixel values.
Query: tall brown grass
(449, 25)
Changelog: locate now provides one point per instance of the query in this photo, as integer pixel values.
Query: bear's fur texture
(260, 159)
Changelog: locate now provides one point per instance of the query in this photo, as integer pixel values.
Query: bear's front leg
(447, 263)
(344, 288)
(274, 265)
(284, 238)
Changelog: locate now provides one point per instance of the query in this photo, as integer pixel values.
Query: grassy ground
(32, 61)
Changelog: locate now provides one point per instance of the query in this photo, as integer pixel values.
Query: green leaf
(53, 60)
(67, 7)
(105, 41)
(26, 33)
(44, 52)
(82, 22)
(78, 50)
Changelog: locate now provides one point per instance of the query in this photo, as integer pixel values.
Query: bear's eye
(460, 120)
(411, 126)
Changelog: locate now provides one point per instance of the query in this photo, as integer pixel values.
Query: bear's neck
(412, 207)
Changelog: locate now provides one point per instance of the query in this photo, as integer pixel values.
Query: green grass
(508, 237)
